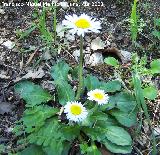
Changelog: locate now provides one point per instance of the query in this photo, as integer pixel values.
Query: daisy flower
(75, 111)
(81, 24)
(98, 96)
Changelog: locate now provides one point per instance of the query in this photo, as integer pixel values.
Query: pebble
(1, 40)
(2, 11)
(60, 30)
(97, 44)
(87, 39)
(70, 37)
(9, 44)
(96, 59)
(108, 43)
(76, 54)
(126, 56)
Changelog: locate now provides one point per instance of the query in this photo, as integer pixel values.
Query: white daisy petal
(69, 18)
(95, 30)
(75, 17)
(99, 96)
(75, 111)
(81, 24)
(66, 23)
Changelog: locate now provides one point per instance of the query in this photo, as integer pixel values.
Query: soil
(13, 61)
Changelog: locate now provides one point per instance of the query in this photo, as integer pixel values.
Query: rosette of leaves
(113, 118)
(45, 132)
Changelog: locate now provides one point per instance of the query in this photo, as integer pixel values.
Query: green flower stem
(80, 87)
(55, 23)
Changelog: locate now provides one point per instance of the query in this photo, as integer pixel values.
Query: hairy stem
(80, 87)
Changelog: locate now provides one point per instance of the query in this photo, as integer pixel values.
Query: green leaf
(89, 150)
(2, 148)
(111, 86)
(95, 133)
(70, 132)
(126, 119)
(55, 148)
(60, 71)
(155, 66)
(35, 117)
(65, 92)
(111, 103)
(74, 72)
(156, 33)
(111, 61)
(91, 82)
(31, 93)
(48, 133)
(94, 117)
(157, 22)
(117, 148)
(100, 116)
(150, 92)
(115, 134)
(27, 32)
(32, 150)
(66, 148)
(109, 122)
(118, 135)
(124, 101)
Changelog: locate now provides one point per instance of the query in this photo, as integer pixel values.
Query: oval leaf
(111, 86)
(150, 92)
(65, 92)
(155, 66)
(126, 119)
(60, 71)
(118, 135)
(32, 94)
(32, 150)
(91, 82)
(111, 61)
(124, 101)
(116, 148)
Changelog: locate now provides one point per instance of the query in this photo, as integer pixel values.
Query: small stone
(108, 43)
(9, 44)
(157, 131)
(60, 30)
(113, 45)
(47, 55)
(70, 37)
(76, 54)
(1, 40)
(12, 38)
(126, 56)
(2, 11)
(113, 7)
(87, 39)
(9, 130)
(96, 59)
(97, 44)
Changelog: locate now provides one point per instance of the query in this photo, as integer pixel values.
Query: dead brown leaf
(33, 74)
(31, 57)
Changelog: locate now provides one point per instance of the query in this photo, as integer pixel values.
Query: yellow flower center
(98, 96)
(76, 109)
(82, 23)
